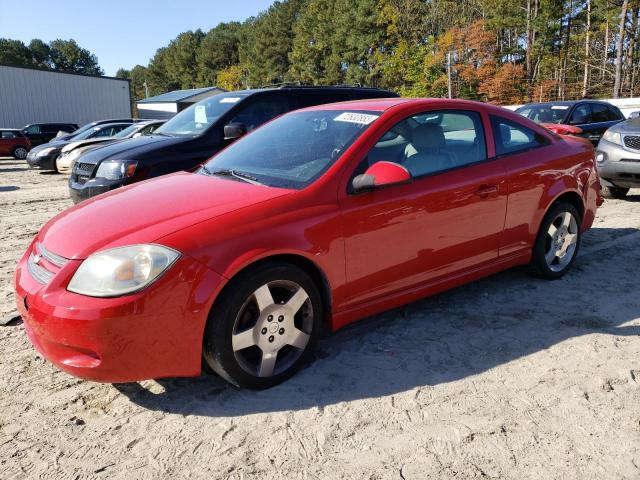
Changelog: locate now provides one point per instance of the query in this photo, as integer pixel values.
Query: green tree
(68, 56)
(218, 51)
(14, 52)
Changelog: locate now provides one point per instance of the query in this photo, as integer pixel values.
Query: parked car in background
(44, 156)
(13, 142)
(322, 217)
(591, 116)
(195, 134)
(94, 124)
(39, 133)
(75, 148)
(618, 158)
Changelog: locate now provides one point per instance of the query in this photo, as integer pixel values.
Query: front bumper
(95, 186)
(46, 162)
(620, 166)
(150, 334)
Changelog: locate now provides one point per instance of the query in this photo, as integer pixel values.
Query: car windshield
(86, 134)
(82, 130)
(293, 150)
(127, 131)
(544, 113)
(200, 116)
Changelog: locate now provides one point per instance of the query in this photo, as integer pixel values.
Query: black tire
(20, 152)
(237, 298)
(614, 192)
(539, 264)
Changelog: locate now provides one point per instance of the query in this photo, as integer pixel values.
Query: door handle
(485, 190)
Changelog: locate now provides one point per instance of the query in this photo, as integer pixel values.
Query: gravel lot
(510, 377)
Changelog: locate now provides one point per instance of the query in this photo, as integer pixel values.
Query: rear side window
(311, 99)
(256, 112)
(512, 137)
(600, 113)
(32, 130)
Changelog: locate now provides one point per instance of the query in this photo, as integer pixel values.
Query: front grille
(632, 141)
(45, 271)
(84, 168)
(82, 172)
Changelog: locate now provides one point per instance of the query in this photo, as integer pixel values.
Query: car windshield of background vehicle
(544, 113)
(127, 131)
(197, 118)
(293, 150)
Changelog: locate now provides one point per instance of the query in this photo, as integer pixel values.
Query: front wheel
(264, 326)
(558, 241)
(614, 192)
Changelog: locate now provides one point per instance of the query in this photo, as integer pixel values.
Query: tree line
(501, 51)
(59, 55)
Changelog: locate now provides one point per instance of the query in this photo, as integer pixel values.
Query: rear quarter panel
(537, 178)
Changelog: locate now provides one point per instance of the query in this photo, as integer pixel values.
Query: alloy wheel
(272, 328)
(20, 153)
(561, 241)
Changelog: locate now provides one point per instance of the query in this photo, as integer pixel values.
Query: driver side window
(261, 110)
(582, 114)
(432, 142)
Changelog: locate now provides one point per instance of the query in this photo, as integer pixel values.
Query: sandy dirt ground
(509, 377)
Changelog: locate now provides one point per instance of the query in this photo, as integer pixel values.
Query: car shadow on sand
(441, 339)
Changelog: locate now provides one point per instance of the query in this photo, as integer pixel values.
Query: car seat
(427, 152)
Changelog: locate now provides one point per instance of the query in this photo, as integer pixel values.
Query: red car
(317, 219)
(14, 143)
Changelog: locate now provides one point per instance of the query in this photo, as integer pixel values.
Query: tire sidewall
(538, 257)
(217, 346)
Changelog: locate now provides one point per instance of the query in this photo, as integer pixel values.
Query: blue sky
(120, 33)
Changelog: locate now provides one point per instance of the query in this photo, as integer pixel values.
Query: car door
(5, 143)
(35, 135)
(523, 151)
(601, 120)
(447, 220)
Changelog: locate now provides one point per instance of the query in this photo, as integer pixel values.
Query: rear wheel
(264, 326)
(558, 241)
(20, 153)
(614, 192)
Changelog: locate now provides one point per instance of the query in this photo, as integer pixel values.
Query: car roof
(383, 104)
(568, 103)
(109, 125)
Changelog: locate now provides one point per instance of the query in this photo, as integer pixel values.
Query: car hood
(129, 148)
(147, 211)
(628, 126)
(72, 145)
(56, 144)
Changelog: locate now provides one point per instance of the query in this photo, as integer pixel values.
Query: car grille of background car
(632, 141)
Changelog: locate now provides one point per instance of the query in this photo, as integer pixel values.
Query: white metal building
(168, 104)
(30, 95)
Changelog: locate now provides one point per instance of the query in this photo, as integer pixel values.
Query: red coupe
(318, 218)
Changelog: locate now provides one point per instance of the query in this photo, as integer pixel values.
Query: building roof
(178, 95)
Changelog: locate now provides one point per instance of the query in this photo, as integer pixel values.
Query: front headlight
(46, 151)
(122, 270)
(116, 169)
(613, 137)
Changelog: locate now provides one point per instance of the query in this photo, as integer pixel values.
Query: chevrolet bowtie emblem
(36, 258)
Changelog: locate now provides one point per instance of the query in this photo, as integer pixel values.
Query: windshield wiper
(227, 172)
(162, 133)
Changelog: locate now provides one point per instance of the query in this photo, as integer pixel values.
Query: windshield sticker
(560, 107)
(200, 114)
(230, 100)
(352, 117)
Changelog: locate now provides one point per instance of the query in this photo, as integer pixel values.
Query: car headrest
(428, 136)
(505, 134)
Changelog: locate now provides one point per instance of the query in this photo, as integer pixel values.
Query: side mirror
(635, 114)
(136, 135)
(381, 174)
(233, 131)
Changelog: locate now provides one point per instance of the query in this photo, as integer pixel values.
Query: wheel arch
(307, 265)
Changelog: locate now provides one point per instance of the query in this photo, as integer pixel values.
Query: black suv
(197, 133)
(39, 133)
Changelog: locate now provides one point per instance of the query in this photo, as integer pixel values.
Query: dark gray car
(618, 158)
